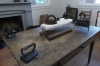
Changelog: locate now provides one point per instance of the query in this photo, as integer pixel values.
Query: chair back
(88, 14)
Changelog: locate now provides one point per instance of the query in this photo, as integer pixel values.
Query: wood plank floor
(82, 58)
(6, 58)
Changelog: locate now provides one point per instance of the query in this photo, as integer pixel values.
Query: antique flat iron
(29, 56)
(51, 21)
(9, 32)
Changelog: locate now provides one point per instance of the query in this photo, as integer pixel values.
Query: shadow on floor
(2, 44)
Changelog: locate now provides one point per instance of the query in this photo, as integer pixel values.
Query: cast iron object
(67, 16)
(51, 19)
(17, 1)
(25, 0)
(9, 32)
(82, 16)
(29, 56)
(83, 23)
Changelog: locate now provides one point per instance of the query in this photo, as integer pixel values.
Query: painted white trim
(41, 7)
(89, 6)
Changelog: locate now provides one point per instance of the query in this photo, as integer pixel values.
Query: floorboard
(6, 58)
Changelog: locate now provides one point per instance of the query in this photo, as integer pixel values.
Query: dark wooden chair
(88, 14)
(86, 21)
(71, 13)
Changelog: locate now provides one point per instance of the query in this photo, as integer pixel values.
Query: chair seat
(86, 20)
(84, 23)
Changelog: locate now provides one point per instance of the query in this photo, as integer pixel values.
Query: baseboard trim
(30, 27)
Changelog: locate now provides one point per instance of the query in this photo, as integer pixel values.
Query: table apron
(70, 55)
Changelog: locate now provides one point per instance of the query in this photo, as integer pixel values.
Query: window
(89, 3)
(92, 2)
(38, 2)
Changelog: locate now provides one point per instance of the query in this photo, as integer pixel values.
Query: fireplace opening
(14, 22)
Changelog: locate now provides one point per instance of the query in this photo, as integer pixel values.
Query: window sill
(89, 6)
(40, 6)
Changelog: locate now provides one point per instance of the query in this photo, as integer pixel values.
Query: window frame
(41, 4)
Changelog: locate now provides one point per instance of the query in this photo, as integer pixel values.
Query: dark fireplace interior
(14, 22)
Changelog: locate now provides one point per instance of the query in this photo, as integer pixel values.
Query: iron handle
(34, 46)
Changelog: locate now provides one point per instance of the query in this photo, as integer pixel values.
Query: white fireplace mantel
(16, 9)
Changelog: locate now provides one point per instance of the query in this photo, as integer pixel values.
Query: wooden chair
(85, 22)
(88, 14)
(97, 24)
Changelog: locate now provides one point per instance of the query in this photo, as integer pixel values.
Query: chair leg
(74, 26)
(88, 28)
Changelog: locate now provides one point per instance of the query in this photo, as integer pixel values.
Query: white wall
(36, 12)
(64, 4)
(74, 3)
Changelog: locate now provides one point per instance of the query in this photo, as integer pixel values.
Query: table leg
(90, 51)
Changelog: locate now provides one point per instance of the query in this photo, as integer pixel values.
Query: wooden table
(56, 52)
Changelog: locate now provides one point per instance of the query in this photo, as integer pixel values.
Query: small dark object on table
(83, 21)
(17, 1)
(25, 0)
(51, 19)
(29, 56)
(9, 32)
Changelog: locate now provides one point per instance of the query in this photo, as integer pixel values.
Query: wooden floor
(6, 58)
(82, 58)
